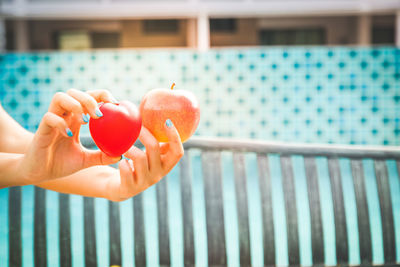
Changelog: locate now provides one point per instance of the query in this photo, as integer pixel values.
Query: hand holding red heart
(55, 150)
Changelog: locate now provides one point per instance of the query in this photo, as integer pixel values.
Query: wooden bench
(228, 202)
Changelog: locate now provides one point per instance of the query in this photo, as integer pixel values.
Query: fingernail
(69, 132)
(168, 123)
(98, 113)
(114, 101)
(85, 118)
(123, 157)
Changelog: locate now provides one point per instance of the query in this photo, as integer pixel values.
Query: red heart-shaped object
(117, 130)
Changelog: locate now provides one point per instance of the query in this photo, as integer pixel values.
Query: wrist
(11, 170)
(30, 173)
(22, 174)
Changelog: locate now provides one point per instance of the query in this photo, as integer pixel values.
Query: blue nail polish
(168, 123)
(123, 157)
(98, 113)
(85, 118)
(69, 132)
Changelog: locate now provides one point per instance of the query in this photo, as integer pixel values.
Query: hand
(56, 150)
(146, 168)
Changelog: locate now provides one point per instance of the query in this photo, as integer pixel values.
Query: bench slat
(90, 232)
(115, 233)
(65, 230)
(382, 181)
(285, 148)
(342, 246)
(163, 223)
(40, 227)
(364, 233)
(242, 208)
(187, 210)
(282, 148)
(212, 175)
(317, 237)
(398, 167)
(14, 225)
(291, 210)
(267, 214)
(139, 231)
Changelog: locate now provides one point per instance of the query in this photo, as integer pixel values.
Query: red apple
(180, 106)
(117, 130)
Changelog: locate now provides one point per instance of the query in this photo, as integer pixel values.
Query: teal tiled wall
(313, 94)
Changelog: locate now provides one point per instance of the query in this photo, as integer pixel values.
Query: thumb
(97, 157)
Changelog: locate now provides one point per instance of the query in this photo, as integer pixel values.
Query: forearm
(90, 182)
(17, 143)
(10, 170)
(14, 138)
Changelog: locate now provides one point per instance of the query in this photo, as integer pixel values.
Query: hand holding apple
(180, 106)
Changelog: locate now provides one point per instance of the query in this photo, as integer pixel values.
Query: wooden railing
(292, 187)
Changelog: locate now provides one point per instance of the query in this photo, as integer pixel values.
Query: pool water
(307, 94)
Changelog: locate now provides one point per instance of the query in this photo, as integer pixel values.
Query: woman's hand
(56, 150)
(133, 176)
(147, 167)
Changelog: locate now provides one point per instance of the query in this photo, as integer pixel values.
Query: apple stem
(172, 86)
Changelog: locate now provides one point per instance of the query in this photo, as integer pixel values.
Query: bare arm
(14, 138)
(10, 170)
(14, 142)
(89, 182)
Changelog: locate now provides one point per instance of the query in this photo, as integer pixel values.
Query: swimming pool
(313, 94)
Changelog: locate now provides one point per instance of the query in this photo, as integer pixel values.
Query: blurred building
(85, 24)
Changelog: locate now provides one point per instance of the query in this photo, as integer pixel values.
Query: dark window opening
(223, 25)
(105, 39)
(292, 37)
(383, 35)
(10, 44)
(161, 26)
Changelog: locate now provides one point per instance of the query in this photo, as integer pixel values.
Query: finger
(97, 157)
(50, 122)
(164, 148)
(87, 101)
(102, 96)
(175, 152)
(63, 104)
(127, 179)
(139, 160)
(152, 148)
